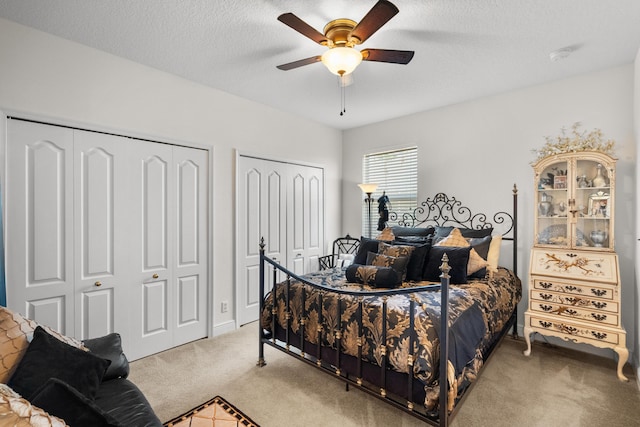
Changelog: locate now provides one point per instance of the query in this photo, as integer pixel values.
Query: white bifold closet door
(284, 204)
(110, 235)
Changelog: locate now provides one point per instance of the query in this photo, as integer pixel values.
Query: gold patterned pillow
(455, 239)
(399, 264)
(16, 411)
(15, 334)
(386, 235)
(398, 251)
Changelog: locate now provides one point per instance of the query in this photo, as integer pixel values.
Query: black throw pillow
(412, 231)
(366, 245)
(372, 275)
(60, 399)
(458, 260)
(418, 258)
(442, 232)
(48, 357)
(110, 347)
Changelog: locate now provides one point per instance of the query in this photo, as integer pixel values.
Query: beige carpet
(552, 387)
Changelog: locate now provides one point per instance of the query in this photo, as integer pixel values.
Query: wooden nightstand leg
(623, 356)
(527, 337)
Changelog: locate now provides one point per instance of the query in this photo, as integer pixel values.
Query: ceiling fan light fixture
(341, 60)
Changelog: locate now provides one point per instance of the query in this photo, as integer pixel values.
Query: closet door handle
(155, 276)
(98, 283)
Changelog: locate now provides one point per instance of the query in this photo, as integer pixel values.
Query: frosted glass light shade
(368, 188)
(341, 60)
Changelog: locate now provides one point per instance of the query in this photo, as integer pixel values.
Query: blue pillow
(458, 260)
(366, 245)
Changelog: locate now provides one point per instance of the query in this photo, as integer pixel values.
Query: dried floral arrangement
(576, 140)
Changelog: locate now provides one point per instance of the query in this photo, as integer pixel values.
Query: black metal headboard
(444, 210)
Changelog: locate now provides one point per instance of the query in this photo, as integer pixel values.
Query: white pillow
(494, 254)
(345, 260)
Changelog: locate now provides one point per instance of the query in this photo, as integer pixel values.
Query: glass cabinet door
(574, 206)
(593, 204)
(552, 204)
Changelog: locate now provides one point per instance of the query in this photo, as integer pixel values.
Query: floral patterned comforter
(493, 300)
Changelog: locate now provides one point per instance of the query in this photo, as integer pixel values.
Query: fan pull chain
(343, 98)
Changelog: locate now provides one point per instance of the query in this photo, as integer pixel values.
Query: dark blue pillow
(458, 260)
(366, 245)
(442, 232)
(418, 258)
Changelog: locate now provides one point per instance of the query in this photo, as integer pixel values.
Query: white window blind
(396, 173)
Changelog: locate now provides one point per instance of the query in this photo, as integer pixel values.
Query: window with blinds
(396, 173)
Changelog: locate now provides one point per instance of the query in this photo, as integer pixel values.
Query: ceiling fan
(341, 35)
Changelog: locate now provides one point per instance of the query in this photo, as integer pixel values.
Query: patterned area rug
(215, 413)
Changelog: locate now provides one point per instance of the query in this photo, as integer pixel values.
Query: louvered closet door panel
(102, 275)
(151, 200)
(39, 227)
(190, 257)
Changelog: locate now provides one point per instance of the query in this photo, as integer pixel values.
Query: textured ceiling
(464, 49)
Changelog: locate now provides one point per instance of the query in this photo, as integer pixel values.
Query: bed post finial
(445, 267)
(515, 189)
(262, 244)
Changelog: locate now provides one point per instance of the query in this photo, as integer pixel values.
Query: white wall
(477, 150)
(49, 76)
(636, 299)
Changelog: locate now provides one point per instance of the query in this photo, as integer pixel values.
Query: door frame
(236, 220)
(5, 114)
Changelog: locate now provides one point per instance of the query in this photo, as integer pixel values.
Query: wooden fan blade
(387, 55)
(302, 27)
(299, 63)
(379, 15)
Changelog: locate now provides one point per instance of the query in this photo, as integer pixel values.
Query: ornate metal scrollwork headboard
(443, 210)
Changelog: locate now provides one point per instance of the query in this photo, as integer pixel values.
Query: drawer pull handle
(599, 317)
(599, 335)
(546, 297)
(545, 285)
(599, 292)
(572, 288)
(545, 324)
(545, 307)
(598, 304)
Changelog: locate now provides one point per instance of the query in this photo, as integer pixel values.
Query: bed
(376, 324)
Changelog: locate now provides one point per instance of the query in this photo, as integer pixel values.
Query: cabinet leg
(527, 338)
(623, 356)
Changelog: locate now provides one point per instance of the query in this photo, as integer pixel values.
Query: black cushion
(412, 231)
(124, 401)
(366, 245)
(458, 259)
(47, 357)
(110, 347)
(442, 232)
(60, 399)
(372, 275)
(418, 258)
